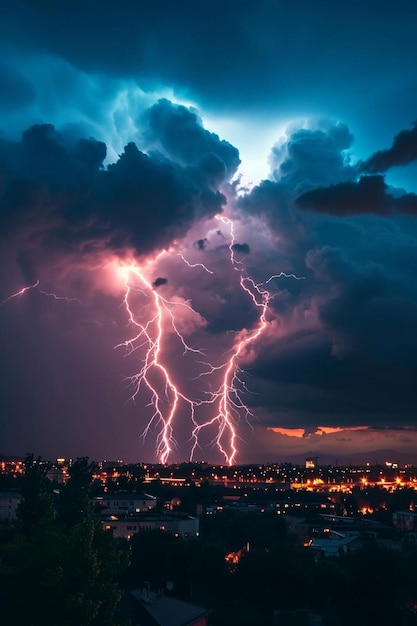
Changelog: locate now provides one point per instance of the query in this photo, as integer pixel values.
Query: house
(9, 501)
(152, 609)
(125, 502)
(335, 543)
(180, 524)
(325, 526)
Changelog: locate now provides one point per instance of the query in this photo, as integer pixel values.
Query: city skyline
(208, 255)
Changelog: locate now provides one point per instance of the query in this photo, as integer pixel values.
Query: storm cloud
(344, 341)
(177, 132)
(60, 187)
(402, 152)
(369, 195)
(129, 131)
(337, 345)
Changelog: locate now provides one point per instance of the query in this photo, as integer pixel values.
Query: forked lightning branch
(153, 320)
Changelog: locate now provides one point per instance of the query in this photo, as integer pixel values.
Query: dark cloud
(272, 201)
(312, 157)
(307, 380)
(201, 243)
(369, 195)
(258, 58)
(59, 188)
(158, 282)
(243, 248)
(151, 202)
(345, 343)
(309, 158)
(177, 132)
(402, 152)
(43, 155)
(370, 315)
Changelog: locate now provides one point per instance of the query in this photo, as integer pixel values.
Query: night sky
(125, 129)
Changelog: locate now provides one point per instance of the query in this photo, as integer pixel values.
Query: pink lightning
(157, 377)
(150, 336)
(19, 293)
(35, 285)
(227, 398)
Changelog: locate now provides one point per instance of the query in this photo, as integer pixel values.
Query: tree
(35, 488)
(64, 567)
(75, 502)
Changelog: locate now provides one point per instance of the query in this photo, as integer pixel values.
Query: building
(9, 501)
(152, 609)
(330, 527)
(405, 520)
(121, 502)
(335, 543)
(181, 525)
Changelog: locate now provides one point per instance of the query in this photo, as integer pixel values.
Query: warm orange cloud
(289, 432)
(321, 430)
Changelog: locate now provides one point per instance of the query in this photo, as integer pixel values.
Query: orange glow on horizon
(299, 433)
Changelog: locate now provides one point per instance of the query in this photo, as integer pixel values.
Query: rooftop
(125, 495)
(168, 611)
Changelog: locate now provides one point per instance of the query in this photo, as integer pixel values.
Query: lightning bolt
(166, 403)
(281, 275)
(226, 403)
(35, 285)
(19, 293)
(228, 397)
(58, 298)
(195, 264)
(150, 337)
(154, 322)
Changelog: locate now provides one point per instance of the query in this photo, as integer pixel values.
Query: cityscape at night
(208, 304)
(190, 526)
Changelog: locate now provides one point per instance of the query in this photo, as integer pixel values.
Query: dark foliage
(59, 569)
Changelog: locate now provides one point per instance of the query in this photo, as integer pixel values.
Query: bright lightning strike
(283, 275)
(166, 398)
(155, 322)
(228, 397)
(157, 377)
(195, 264)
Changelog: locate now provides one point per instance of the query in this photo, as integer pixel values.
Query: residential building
(181, 525)
(9, 501)
(160, 610)
(121, 502)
